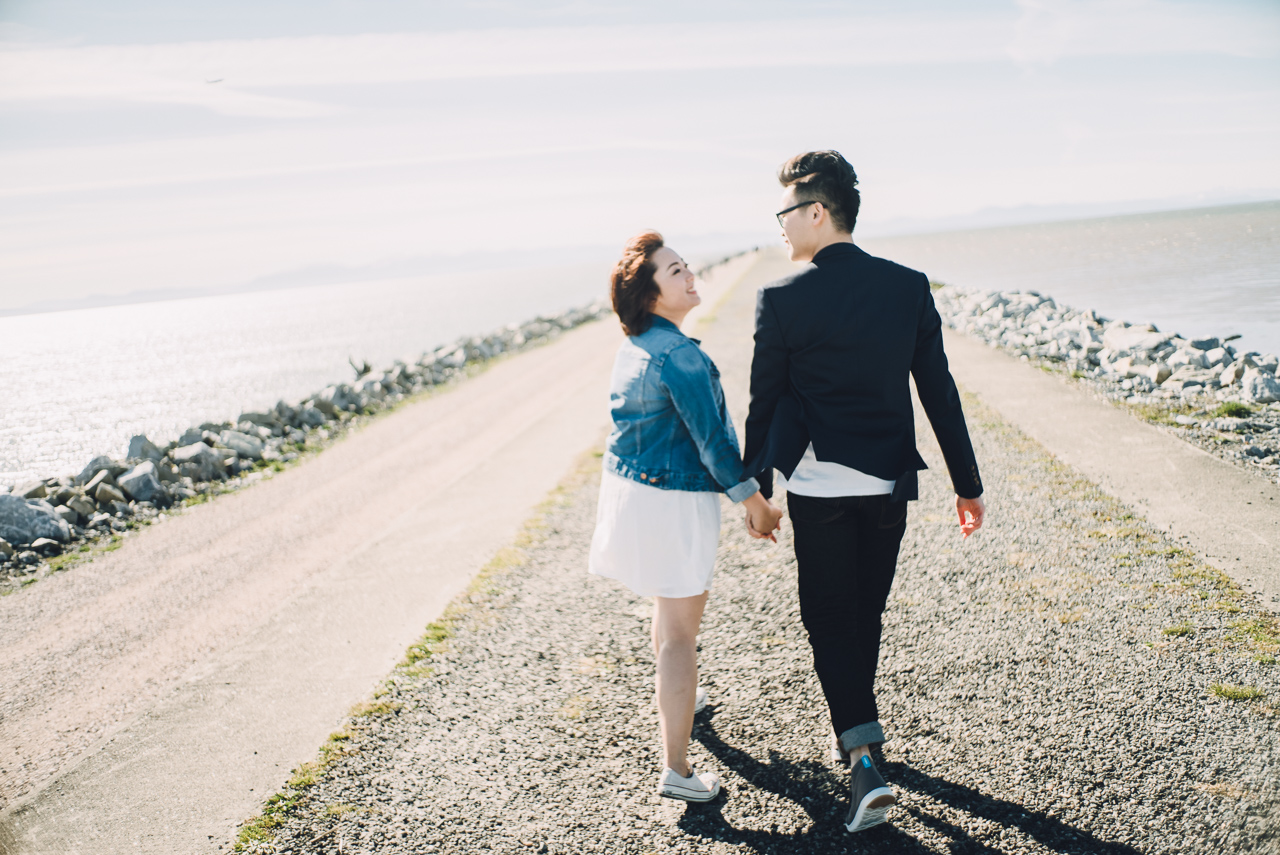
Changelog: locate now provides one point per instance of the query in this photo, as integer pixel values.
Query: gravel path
(1048, 687)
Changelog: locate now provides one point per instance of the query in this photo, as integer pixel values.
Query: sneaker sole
(689, 797)
(873, 810)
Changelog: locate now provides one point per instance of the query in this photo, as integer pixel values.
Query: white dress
(659, 543)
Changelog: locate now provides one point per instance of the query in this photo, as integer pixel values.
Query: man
(831, 410)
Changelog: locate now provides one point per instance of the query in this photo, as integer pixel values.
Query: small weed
(1265, 632)
(1078, 374)
(1179, 630)
(1232, 410)
(1236, 693)
(370, 710)
(1264, 659)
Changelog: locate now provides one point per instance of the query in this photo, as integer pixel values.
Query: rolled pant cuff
(863, 734)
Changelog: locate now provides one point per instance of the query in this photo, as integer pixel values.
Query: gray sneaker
(872, 798)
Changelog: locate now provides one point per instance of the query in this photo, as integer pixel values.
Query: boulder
(1205, 343)
(46, 547)
(189, 436)
(1133, 338)
(242, 444)
(311, 417)
(1260, 387)
(1233, 373)
(107, 493)
(141, 448)
(31, 490)
(1158, 373)
(24, 520)
(1269, 363)
(266, 420)
(103, 477)
(1216, 356)
(66, 514)
(82, 505)
(6, 550)
(98, 464)
(142, 483)
(198, 459)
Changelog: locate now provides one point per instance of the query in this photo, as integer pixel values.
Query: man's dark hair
(826, 177)
(631, 286)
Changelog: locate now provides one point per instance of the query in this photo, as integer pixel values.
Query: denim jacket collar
(663, 323)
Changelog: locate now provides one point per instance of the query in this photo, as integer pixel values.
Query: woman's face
(675, 282)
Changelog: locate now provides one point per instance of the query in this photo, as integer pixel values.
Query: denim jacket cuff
(745, 490)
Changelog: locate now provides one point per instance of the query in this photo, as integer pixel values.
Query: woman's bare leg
(675, 638)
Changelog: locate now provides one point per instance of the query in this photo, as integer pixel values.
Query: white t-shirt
(822, 479)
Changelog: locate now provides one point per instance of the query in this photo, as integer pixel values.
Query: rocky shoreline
(1204, 390)
(48, 524)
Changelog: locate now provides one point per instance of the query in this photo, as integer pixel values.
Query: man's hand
(970, 512)
(763, 517)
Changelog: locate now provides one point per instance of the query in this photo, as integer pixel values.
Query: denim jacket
(671, 428)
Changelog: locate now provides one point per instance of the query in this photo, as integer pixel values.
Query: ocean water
(1200, 272)
(78, 383)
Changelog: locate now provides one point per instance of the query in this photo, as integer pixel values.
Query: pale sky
(169, 145)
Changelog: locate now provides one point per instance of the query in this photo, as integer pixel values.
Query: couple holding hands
(830, 409)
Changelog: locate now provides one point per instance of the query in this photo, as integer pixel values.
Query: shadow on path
(822, 793)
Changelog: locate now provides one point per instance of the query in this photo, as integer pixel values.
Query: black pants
(847, 551)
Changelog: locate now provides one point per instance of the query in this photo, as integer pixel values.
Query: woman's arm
(688, 381)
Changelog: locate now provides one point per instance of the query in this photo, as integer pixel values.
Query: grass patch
(1179, 630)
(1232, 410)
(1262, 631)
(1236, 693)
(1264, 659)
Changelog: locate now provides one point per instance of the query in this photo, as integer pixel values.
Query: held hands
(763, 517)
(970, 512)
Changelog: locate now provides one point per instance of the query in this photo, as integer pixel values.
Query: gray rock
(28, 557)
(1205, 343)
(1269, 363)
(23, 520)
(310, 417)
(6, 550)
(31, 490)
(189, 436)
(66, 514)
(1260, 387)
(200, 460)
(1158, 373)
(1133, 338)
(142, 483)
(106, 493)
(103, 477)
(266, 420)
(242, 444)
(82, 505)
(46, 547)
(96, 465)
(1233, 373)
(141, 448)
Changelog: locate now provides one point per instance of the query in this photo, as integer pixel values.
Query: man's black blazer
(834, 344)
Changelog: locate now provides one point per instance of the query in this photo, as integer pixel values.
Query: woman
(672, 451)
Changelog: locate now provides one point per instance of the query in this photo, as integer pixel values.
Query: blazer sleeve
(941, 399)
(769, 373)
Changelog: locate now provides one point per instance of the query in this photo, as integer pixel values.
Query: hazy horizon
(163, 147)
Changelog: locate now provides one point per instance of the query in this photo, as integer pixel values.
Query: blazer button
(644, 477)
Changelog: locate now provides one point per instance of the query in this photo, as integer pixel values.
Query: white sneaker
(699, 700)
(695, 788)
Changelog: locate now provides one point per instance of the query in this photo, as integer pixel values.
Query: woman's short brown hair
(631, 286)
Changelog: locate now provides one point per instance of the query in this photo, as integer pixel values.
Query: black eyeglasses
(792, 208)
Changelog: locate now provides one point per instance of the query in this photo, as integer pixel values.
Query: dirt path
(1047, 686)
